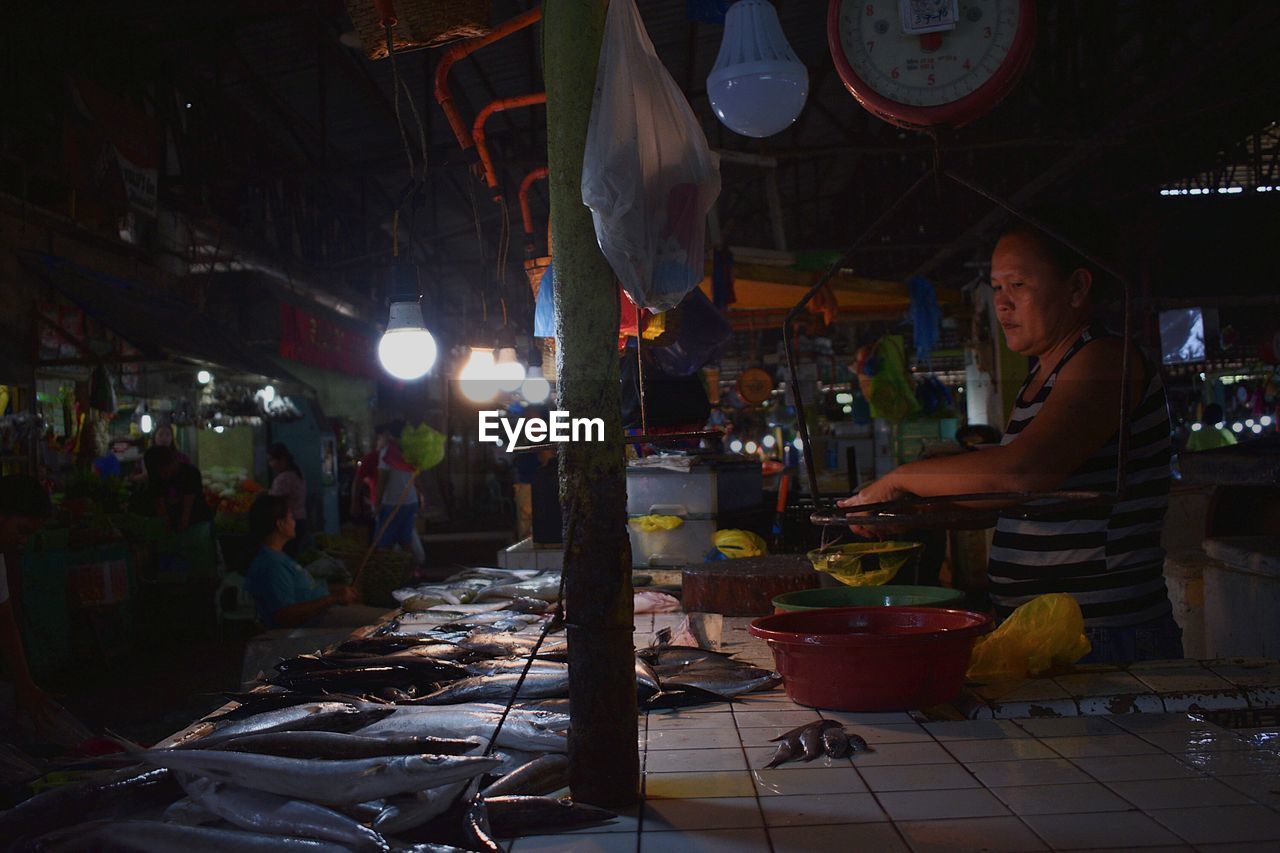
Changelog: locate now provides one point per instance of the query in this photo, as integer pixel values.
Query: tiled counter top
(1155, 779)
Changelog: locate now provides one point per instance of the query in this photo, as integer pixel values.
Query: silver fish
(727, 680)
(538, 777)
(545, 588)
(333, 745)
(811, 743)
(503, 644)
(307, 716)
(410, 812)
(821, 725)
(187, 813)
(521, 816)
(342, 781)
(114, 794)
(836, 743)
(681, 655)
(787, 750)
(500, 666)
(529, 730)
(858, 744)
(258, 811)
(539, 684)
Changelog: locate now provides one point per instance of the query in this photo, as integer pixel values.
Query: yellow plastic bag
(654, 523)
(850, 565)
(1047, 630)
(740, 543)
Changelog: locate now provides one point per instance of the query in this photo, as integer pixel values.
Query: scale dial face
(950, 76)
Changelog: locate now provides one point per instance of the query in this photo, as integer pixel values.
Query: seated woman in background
(286, 595)
(289, 483)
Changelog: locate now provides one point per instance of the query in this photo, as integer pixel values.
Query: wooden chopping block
(745, 586)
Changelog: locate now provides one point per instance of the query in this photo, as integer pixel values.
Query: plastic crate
(691, 542)
(705, 491)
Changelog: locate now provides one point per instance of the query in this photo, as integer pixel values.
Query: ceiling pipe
(526, 215)
(463, 49)
(477, 132)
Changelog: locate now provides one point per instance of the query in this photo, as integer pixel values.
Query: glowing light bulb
(407, 350)
(768, 441)
(1265, 420)
(508, 371)
(146, 424)
(219, 429)
(1237, 427)
(751, 447)
(797, 443)
(1196, 427)
(758, 86)
(204, 377)
(1257, 429)
(535, 388)
(477, 380)
(735, 446)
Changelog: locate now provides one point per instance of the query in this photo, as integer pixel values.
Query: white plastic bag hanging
(648, 174)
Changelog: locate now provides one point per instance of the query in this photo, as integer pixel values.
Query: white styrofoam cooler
(704, 491)
(681, 546)
(1242, 597)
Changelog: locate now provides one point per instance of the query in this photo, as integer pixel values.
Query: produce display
(229, 490)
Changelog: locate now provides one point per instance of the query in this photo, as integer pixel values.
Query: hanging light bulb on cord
(508, 371)
(758, 86)
(535, 389)
(477, 379)
(407, 350)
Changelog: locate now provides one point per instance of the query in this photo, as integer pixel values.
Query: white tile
(702, 841)
(902, 753)
(701, 813)
(810, 809)
(990, 834)
(1101, 684)
(920, 777)
(891, 733)
(821, 780)
(1003, 749)
(974, 729)
(692, 739)
(697, 785)
(683, 720)
(1198, 740)
(1129, 703)
(1263, 787)
(1123, 768)
(1070, 727)
(1202, 701)
(1186, 680)
(1223, 824)
(1065, 707)
(866, 718)
(1234, 763)
(677, 760)
(1151, 794)
(1142, 723)
(599, 842)
(1061, 799)
(1083, 747)
(1100, 829)
(748, 718)
(1030, 690)
(938, 805)
(1048, 771)
(847, 838)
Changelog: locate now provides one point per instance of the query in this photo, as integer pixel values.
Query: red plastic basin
(872, 658)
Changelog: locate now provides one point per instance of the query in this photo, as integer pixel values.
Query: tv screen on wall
(1182, 335)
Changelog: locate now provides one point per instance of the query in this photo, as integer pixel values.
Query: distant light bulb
(146, 424)
(508, 371)
(1237, 427)
(735, 446)
(407, 350)
(476, 379)
(1248, 422)
(1195, 427)
(751, 447)
(797, 443)
(758, 86)
(1265, 420)
(768, 441)
(535, 389)
(844, 398)
(219, 429)
(847, 410)
(1219, 424)
(268, 393)
(1257, 429)
(204, 377)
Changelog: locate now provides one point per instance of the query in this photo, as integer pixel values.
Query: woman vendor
(289, 483)
(285, 594)
(1062, 435)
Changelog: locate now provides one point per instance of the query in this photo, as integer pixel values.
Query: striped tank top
(1109, 557)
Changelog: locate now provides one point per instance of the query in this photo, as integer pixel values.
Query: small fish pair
(820, 737)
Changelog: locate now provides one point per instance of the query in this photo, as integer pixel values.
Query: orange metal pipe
(477, 131)
(526, 215)
(465, 48)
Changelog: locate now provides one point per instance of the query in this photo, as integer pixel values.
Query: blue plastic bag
(544, 307)
(925, 317)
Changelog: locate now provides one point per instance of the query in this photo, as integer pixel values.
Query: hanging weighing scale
(922, 64)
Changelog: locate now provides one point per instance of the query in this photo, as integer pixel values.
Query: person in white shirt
(24, 508)
(397, 498)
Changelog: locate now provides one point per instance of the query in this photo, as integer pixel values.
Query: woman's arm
(184, 520)
(303, 611)
(1074, 423)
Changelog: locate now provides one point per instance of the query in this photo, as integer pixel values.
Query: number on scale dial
(922, 63)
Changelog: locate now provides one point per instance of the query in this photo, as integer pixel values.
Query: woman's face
(164, 436)
(275, 463)
(1036, 305)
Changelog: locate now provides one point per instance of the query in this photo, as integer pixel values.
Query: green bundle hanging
(422, 447)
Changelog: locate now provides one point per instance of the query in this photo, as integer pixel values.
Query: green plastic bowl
(867, 596)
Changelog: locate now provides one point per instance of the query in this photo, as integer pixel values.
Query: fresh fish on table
(527, 730)
(858, 744)
(682, 696)
(339, 781)
(835, 743)
(187, 813)
(512, 645)
(407, 812)
(539, 684)
(147, 836)
(821, 725)
(503, 666)
(787, 750)
(308, 716)
(546, 588)
(524, 604)
(516, 815)
(542, 775)
(811, 743)
(354, 679)
(679, 655)
(258, 811)
(111, 795)
(391, 645)
(729, 679)
(332, 745)
(646, 680)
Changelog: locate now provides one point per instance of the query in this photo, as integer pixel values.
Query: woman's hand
(343, 595)
(878, 491)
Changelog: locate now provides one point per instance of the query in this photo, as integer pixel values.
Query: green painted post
(604, 764)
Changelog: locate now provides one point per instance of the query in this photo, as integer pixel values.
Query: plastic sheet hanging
(648, 174)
